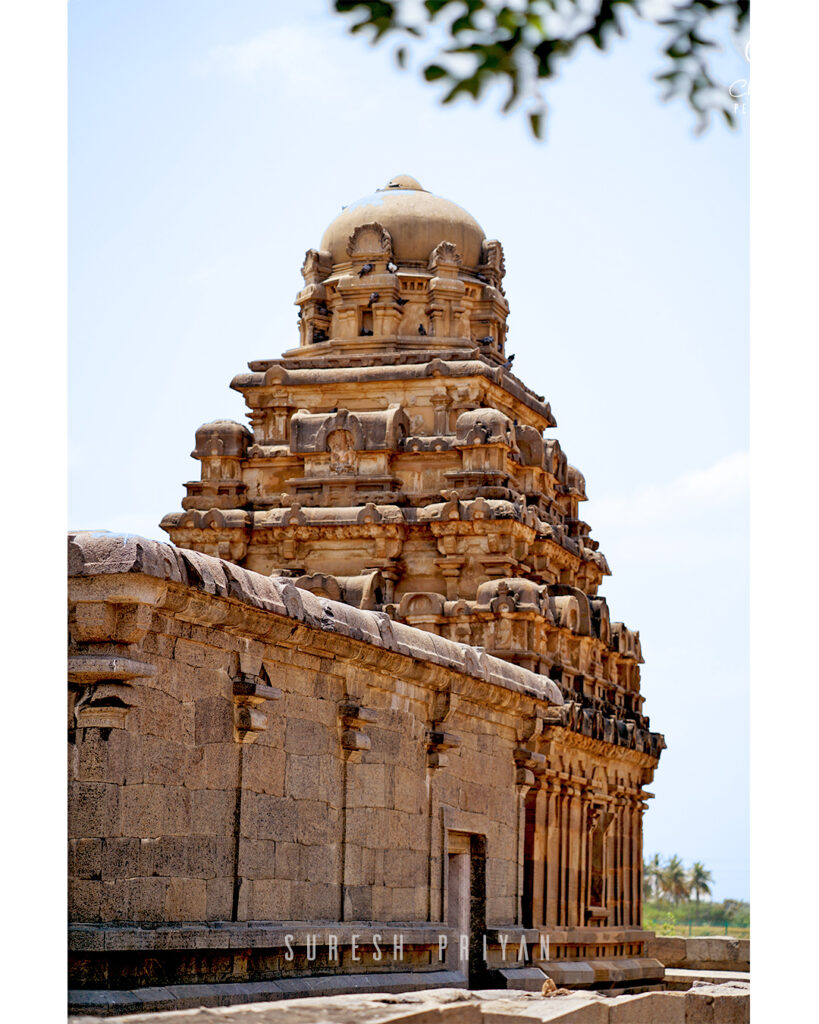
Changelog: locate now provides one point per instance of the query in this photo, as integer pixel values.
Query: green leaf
(432, 72)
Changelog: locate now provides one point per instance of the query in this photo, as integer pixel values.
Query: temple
(381, 607)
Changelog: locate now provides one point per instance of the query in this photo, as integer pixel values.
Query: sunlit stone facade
(397, 687)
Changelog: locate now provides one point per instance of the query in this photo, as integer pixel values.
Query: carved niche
(343, 459)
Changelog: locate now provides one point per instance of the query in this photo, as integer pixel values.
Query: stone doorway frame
(464, 899)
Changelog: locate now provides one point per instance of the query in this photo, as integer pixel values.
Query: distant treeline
(670, 885)
(735, 913)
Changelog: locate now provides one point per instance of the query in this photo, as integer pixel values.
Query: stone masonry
(374, 683)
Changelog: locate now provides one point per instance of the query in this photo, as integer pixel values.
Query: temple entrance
(466, 904)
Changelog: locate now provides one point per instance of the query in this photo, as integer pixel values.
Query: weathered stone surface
(369, 1004)
(649, 1008)
(718, 1004)
(708, 953)
(375, 680)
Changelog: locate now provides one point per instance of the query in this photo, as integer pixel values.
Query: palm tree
(674, 880)
(698, 879)
(651, 877)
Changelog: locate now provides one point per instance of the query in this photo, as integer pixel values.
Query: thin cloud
(694, 493)
(687, 525)
(299, 59)
(277, 49)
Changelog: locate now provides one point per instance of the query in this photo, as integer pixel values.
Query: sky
(211, 142)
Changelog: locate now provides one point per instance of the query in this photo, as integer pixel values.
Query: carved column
(616, 874)
(526, 763)
(440, 404)
(627, 853)
(575, 841)
(583, 885)
(539, 856)
(551, 909)
(565, 798)
(637, 859)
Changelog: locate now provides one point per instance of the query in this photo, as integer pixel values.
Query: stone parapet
(702, 953)
(103, 554)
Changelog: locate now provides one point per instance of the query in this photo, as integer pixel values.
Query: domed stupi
(397, 464)
(402, 271)
(416, 221)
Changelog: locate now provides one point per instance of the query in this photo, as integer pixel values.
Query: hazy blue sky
(210, 143)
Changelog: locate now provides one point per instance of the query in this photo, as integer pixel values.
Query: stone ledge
(252, 935)
(702, 953)
(677, 980)
(108, 1002)
(372, 1003)
(586, 973)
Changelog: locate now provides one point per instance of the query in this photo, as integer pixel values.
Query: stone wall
(702, 953)
(247, 759)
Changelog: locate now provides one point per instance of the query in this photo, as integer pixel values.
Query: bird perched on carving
(487, 340)
(481, 277)
(321, 308)
(421, 329)
(391, 267)
(373, 298)
(508, 364)
(402, 302)
(365, 269)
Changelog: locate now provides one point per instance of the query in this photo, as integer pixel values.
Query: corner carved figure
(444, 253)
(342, 452)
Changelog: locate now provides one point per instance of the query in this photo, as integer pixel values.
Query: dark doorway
(466, 904)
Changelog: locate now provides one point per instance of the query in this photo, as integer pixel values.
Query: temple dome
(416, 219)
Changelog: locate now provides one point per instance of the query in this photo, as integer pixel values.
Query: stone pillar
(627, 852)
(539, 857)
(440, 403)
(637, 860)
(575, 840)
(563, 898)
(583, 886)
(616, 902)
(551, 909)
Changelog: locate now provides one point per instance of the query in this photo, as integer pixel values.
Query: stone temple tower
(395, 462)
(371, 690)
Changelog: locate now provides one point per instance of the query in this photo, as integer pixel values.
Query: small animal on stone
(391, 267)
(421, 329)
(508, 363)
(365, 269)
(486, 340)
(373, 298)
(402, 302)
